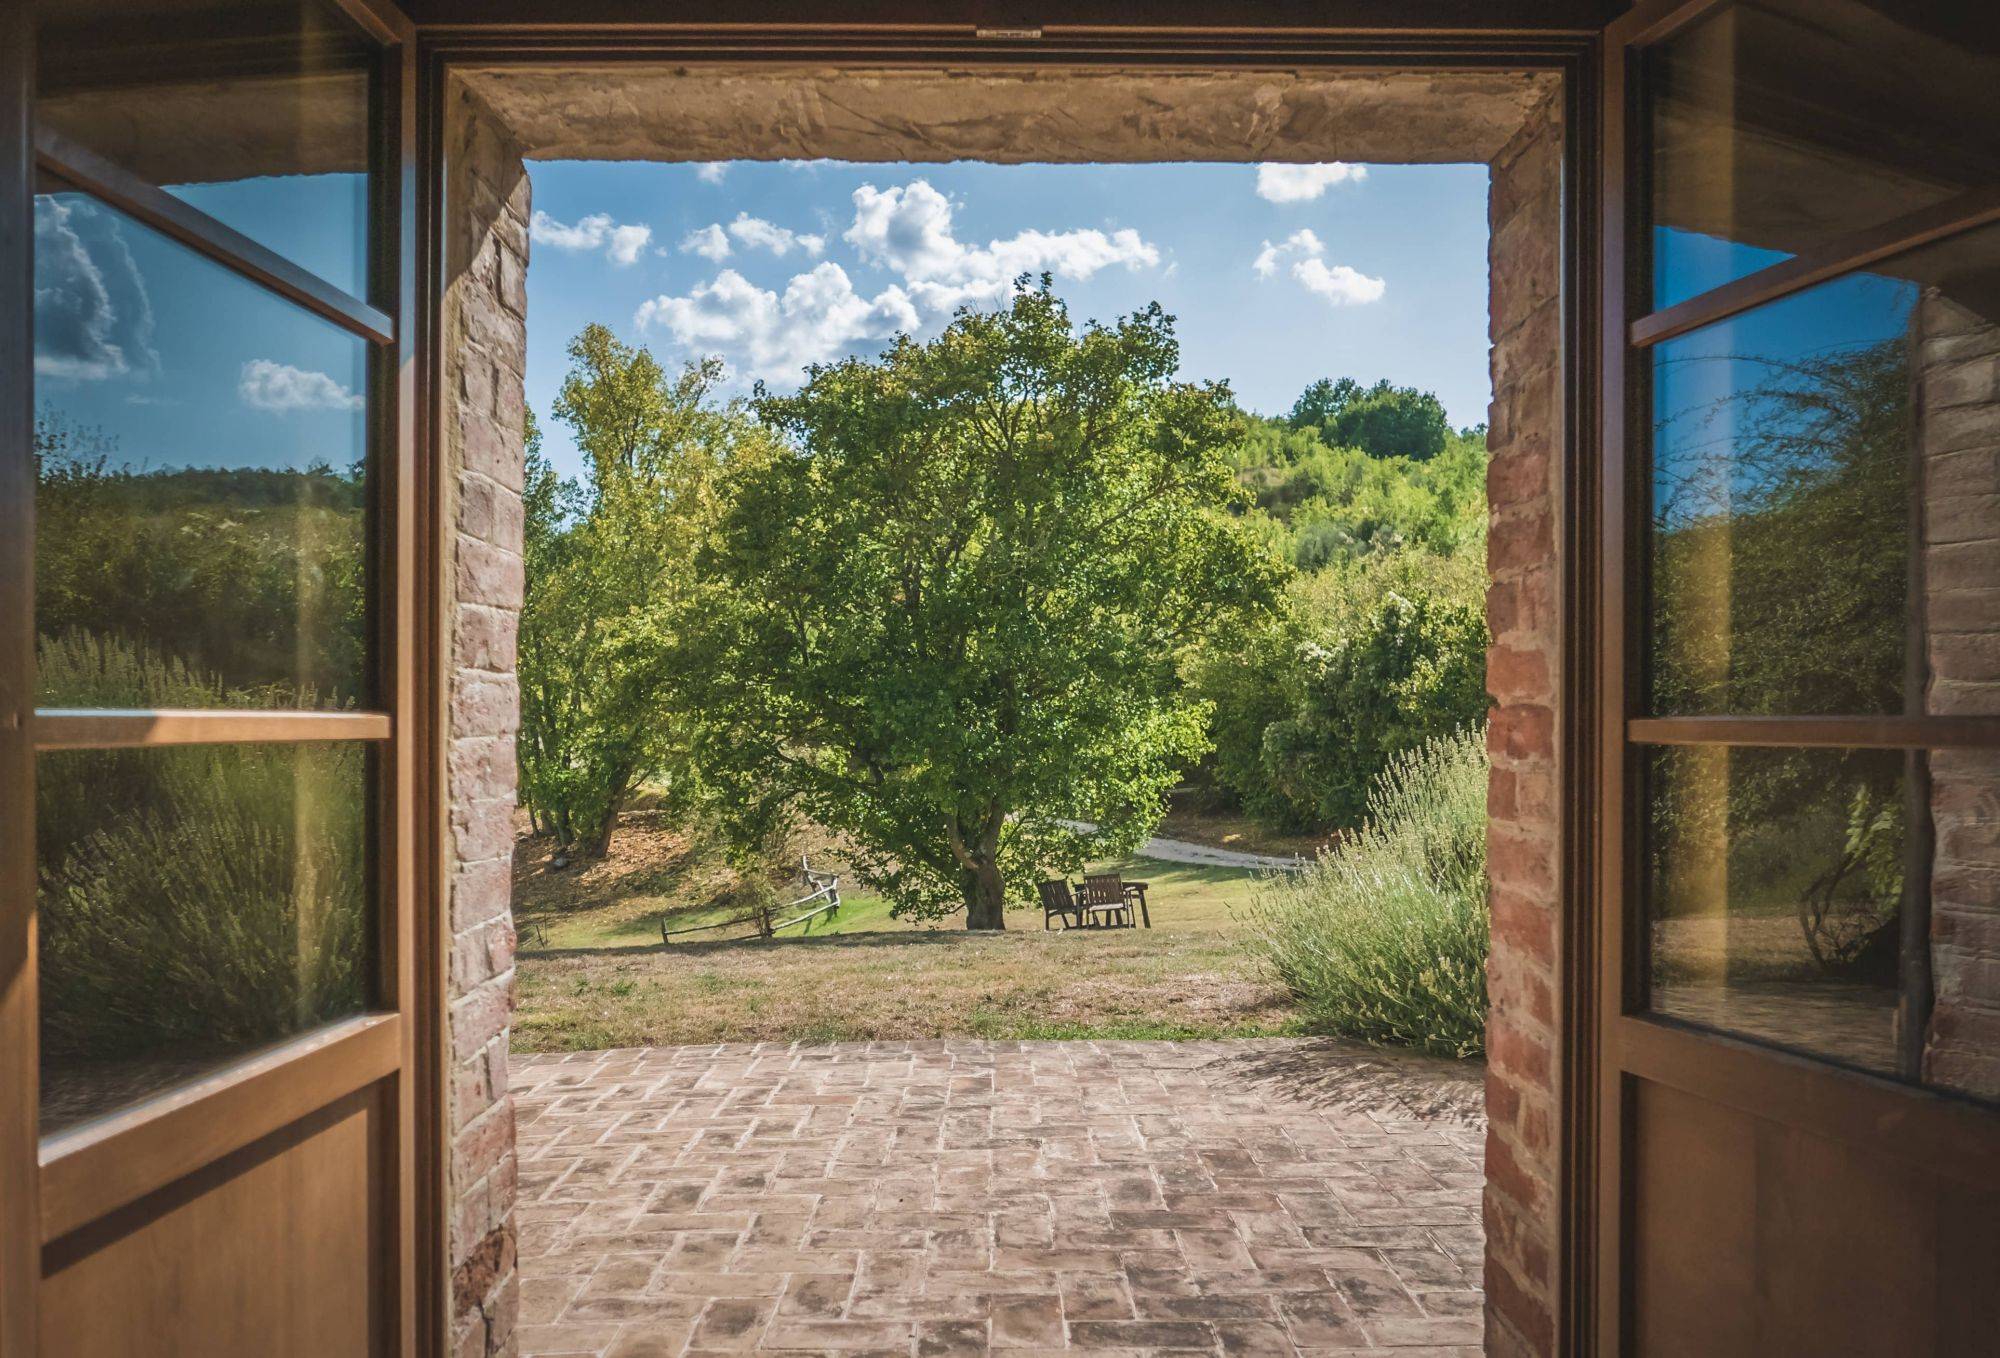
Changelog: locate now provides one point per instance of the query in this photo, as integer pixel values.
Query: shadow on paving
(1354, 1077)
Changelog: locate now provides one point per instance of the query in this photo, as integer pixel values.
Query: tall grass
(1385, 938)
(193, 900)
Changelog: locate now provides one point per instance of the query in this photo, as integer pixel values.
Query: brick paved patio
(936, 1197)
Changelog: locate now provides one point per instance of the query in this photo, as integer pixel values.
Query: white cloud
(709, 242)
(818, 317)
(711, 171)
(621, 242)
(93, 318)
(1300, 242)
(627, 242)
(909, 230)
(754, 233)
(1302, 183)
(279, 387)
(1339, 284)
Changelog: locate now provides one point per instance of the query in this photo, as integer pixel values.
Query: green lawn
(1180, 895)
(602, 977)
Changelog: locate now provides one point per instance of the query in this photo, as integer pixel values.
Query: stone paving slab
(931, 1198)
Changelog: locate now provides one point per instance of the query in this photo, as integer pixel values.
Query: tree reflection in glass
(1775, 889)
(201, 484)
(1780, 553)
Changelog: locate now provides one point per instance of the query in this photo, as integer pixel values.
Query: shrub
(1385, 938)
(1369, 660)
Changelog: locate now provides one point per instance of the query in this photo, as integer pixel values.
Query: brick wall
(484, 345)
(1523, 671)
(483, 340)
(1957, 361)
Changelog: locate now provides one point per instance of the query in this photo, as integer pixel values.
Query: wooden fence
(823, 899)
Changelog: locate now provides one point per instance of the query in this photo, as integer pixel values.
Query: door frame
(20, 1239)
(424, 59)
(48, 1189)
(507, 33)
(1881, 1116)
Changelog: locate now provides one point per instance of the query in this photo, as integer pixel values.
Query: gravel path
(1205, 855)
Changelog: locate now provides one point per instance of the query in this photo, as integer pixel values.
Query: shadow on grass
(886, 938)
(1330, 1072)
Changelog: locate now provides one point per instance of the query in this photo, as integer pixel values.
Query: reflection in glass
(200, 505)
(1825, 525)
(1779, 125)
(195, 903)
(1775, 888)
(257, 114)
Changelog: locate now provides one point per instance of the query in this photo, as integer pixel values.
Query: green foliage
(193, 900)
(1368, 660)
(1381, 644)
(947, 618)
(610, 580)
(1383, 420)
(81, 669)
(1342, 503)
(252, 574)
(1385, 938)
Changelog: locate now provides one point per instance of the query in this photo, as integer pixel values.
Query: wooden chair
(1057, 900)
(1105, 900)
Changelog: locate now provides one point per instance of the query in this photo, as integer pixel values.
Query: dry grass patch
(1166, 983)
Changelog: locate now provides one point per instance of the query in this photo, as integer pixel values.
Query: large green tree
(611, 580)
(948, 615)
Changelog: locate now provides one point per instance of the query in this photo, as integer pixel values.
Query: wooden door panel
(268, 1251)
(273, 1196)
(1692, 1167)
(1751, 1237)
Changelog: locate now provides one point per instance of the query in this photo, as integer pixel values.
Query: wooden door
(1799, 1045)
(212, 974)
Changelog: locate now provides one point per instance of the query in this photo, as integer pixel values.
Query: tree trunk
(985, 896)
(599, 842)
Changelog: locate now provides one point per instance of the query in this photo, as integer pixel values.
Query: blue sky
(1278, 276)
(171, 360)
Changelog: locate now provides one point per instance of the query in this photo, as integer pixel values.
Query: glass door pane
(201, 448)
(196, 903)
(1779, 125)
(254, 111)
(1825, 498)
